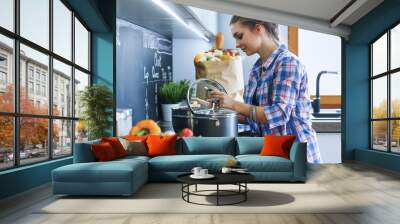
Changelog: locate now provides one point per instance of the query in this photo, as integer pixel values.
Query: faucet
(316, 103)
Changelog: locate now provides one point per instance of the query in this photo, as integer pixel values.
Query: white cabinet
(330, 147)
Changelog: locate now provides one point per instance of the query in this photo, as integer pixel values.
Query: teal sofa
(125, 176)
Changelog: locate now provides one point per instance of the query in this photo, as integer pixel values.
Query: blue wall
(99, 15)
(24, 178)
(103, 63)
(102, 58)
(183, 52)
(356, 129)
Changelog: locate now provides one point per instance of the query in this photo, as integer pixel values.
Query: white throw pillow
(134, 147)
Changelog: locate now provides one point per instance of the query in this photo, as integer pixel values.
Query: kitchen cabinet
(329, 138)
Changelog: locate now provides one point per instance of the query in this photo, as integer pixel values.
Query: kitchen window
(385, 97)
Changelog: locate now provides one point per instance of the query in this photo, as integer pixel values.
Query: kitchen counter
(320, 125)
(327, 125)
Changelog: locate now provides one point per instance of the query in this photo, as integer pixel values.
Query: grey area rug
(166, 198)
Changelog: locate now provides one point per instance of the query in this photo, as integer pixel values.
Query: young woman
(276, 98)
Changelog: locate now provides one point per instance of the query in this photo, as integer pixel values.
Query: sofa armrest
(83, 152)
(298, 155)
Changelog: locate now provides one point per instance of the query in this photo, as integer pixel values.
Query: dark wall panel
(144, 63)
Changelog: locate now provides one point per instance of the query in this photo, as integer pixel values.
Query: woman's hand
(224, 100)
(201, 102)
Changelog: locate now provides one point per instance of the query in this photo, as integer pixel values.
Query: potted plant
(171, 94)
(96, 102)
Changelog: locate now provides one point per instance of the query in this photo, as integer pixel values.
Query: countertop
(327, 125)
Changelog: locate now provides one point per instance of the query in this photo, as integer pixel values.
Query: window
(3, 72)
(3, 78)
(62, 74)
(7, 14)
(6, 73)
(62, 130)
(54, 125)
(3, 61)
(81, 45)
(385, 97)
(30, 72)
(37, 74)
(62, 31)
(44, 91)
(43, 77)
(30, 87)
(35, 22)
(81, 81)
(38, 89)
(7, 142)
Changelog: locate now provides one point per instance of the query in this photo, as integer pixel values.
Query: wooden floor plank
(375, 189)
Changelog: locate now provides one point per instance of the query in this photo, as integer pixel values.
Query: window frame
(16, 114)
(388, 74)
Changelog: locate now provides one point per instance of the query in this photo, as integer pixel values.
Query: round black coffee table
(238, 179)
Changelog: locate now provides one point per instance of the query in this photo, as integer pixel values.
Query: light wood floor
(377, 188)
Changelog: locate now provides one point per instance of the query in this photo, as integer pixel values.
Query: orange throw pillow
(161, 145)
(277, 145)
(116, 145)
(103, 151)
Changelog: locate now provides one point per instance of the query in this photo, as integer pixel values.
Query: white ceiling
(147, 14)
(321, 9)
(316, 15)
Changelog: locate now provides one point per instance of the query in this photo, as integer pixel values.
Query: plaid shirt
(281, 87)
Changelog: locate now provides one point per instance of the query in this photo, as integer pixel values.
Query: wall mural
(144, 63)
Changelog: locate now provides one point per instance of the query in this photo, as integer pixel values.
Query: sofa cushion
(83, 152)
(257, 163)
(116, 145)
(103, 152)
(111, 171)
(208, 145)
(133, 157)
(249, 145)
(185, 163)
(277, 145)
(134, 147)
(161, 145)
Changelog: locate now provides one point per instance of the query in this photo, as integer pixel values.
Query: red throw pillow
(161, 145)
(277, 145)
(116, 145)
(103, 151)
